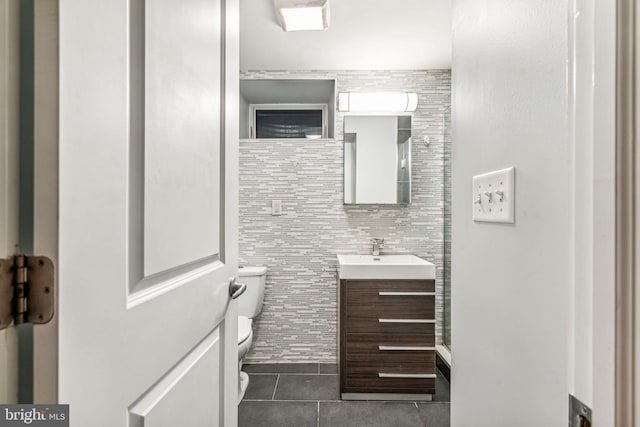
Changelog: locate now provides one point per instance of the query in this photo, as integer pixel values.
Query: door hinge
(579, 413)
(26, 290)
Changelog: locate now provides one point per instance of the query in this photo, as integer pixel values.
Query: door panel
(9, 143)
(148, 211)
(169, 402)
(182, 132)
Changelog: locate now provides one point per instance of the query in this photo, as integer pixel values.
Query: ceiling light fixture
(364, 102)
(302, 15)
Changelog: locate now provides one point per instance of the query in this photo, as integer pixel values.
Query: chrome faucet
(377, 244)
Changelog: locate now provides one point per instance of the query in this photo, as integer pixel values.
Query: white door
(9, 143)
(148, 212)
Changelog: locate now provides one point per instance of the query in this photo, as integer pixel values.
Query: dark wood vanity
(387, 339)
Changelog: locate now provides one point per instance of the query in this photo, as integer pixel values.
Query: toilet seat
(244, 328)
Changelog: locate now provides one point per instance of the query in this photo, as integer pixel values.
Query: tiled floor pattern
(307, 394)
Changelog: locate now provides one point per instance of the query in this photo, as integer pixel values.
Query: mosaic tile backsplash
(299, 318)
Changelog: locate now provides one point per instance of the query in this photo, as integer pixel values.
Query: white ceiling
(362, 35)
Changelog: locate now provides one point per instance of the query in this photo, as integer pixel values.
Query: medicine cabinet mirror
(377, 159)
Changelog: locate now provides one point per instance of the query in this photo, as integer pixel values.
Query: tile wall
(299, 319)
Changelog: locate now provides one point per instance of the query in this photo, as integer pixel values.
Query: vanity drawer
(394, 308)
(390, 325)
(368, 289)
(420, 360)
(379, 363)
(413, 346)
(382, 299)
(402, 355)
(388, 379)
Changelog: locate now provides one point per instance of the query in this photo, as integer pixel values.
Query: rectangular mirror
(377, 159)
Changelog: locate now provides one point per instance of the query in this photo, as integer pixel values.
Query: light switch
(494, 196)
(276, 207)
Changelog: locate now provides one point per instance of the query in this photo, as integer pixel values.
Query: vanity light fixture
(302, 15)
(364, 102)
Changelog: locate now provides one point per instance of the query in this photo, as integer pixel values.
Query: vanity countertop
(407, 267)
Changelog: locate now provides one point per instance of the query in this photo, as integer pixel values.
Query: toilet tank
(250, 302)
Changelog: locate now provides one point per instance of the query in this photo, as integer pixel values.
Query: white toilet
(249, 306)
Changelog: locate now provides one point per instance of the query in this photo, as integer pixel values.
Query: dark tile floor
(307, 394)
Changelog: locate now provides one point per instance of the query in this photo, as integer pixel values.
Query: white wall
(510, 291)
(244, 117)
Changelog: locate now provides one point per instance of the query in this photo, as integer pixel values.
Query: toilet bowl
(245, 335)
(249, 306)
(245, 338)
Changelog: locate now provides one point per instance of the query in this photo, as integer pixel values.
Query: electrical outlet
(494, 196)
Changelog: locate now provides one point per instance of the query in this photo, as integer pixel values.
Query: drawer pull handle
(404, 348)
(407, 294)
(407, 320)
(383, 375)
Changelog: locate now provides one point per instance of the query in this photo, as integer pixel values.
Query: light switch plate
(494, 196)
(276, 207)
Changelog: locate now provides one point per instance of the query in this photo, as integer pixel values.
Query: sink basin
(385, 267)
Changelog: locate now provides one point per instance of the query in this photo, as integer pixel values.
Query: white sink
(385, 267)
